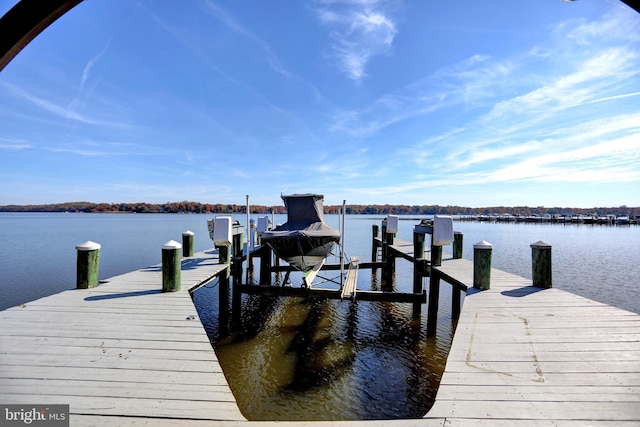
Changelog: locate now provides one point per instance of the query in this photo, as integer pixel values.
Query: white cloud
(360, 30)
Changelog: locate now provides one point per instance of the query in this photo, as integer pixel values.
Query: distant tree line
(218, 208)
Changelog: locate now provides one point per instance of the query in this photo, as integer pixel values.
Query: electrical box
(392, 223)
(222, 231)
(263, 224)
(442, 230)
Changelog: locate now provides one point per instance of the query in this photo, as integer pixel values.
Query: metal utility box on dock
(222, 231)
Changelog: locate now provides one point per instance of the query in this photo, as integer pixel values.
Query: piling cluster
(88, 263)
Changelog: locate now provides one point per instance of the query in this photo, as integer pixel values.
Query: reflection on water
(317, 359)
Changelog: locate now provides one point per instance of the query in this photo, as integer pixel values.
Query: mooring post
(171, 266)
(418, 268)
(265, 265)
(434, 299)
(224, 257)
(88, 264)
(187, 243)
(436, 255)
(236, 266)
(482, 265)
(541, 264)
(457, 244)
(374, 243)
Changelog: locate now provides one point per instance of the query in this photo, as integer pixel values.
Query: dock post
(171, 265)
(434, 300)
(265, 265)
(187, 243)
(88, 264)
(418, 268)
(457, 244)
(541, 264)
(482, 265)
(223, 289)
(436, 255)
(374, 243)
(236, 266)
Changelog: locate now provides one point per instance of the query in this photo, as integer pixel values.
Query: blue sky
(403, 102)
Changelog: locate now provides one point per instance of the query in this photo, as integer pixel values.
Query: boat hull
(299, 249)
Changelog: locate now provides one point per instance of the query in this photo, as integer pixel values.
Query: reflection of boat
(305, 239)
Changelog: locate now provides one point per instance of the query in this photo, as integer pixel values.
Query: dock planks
(526, 356)
(122, 349)
(126, 354)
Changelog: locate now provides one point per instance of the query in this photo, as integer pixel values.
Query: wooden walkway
(126, 354)
(123, 350)
(527, 356)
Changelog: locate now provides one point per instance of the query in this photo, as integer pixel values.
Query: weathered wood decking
(123, 349)
(527, 356)
(126, 354)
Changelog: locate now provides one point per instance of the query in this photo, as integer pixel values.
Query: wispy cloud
(58, 110)
(553, 126)
(220, 14)
(360, 30)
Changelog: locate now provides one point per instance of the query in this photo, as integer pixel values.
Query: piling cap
(88, 246)
(172, 244)
(483, 244)
(188, 233)
(540, 244)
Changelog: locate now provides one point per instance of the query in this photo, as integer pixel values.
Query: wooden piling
(236, 268)
(171, 267)
(541, 264)
(187, 243)
(482, 265)
(374, 243)
(419, 266)
(457, 244)
(436, 255)
(265, 265)
(224, 257)
(88, 265)
(434, 300)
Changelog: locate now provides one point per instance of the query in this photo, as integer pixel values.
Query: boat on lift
(305, 239)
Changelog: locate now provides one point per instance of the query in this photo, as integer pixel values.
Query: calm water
(313, 360)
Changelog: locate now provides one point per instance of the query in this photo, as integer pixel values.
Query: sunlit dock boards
(123, 349)
(527, 356)
(126, 354)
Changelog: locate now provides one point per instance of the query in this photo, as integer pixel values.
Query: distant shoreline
(185, 207)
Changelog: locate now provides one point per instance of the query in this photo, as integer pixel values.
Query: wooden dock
(528, 356)
(126, 354)
(122, 353)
